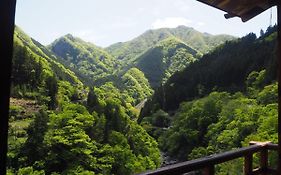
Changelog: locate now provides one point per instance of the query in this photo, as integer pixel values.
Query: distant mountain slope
(38, 75)
(42, 56)
(224, 69)
(130, 50)
(86, 59)
(164, 59)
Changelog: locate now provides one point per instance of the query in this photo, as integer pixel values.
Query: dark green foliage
(212, 104)
(225, 68)
(92, 101)
(26, 71)
(33, 149)
(205, 121)
(52, 90)
(163, 60)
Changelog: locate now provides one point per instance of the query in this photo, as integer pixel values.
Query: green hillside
(41, 54)
(164, 59)
(60, 126)
(225, 68)
(157, 53)
(130, 50)
(87, 60)
(135, 84)
(78, 109)
(36, 73)
(220, 102)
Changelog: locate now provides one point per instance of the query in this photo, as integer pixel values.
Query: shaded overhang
(244, 9)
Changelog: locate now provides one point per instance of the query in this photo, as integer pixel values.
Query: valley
(77, 108)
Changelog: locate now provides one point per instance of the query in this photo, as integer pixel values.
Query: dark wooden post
(210, 170)
(264, 161)
(248, 164)
(279, 82)
(7, 16)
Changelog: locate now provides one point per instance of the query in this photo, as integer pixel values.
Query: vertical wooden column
(279, 81)
(264, 161)
(248, 164)
(7, 18)
(210, 170)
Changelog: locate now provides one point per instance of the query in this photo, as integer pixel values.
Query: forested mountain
(218, 103)
(36, 72)
(225, 68)
(75, 106)
(41, 55)
(59, 126)
(157, 53)
(87, 60)
(164, 59)
(135, 84)
(129, 51)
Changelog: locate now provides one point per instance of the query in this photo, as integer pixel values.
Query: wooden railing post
(248, 164)
(209, 170)
(207, 164)
(264, 161)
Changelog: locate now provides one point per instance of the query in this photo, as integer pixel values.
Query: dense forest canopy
(169, 94)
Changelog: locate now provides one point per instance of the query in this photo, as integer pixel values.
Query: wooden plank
(246, 10)
(279, 83)
(7, 18)
(272, 146)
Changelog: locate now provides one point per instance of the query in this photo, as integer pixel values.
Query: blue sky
(104, 22)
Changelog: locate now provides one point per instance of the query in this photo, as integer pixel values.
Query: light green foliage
(190, 125)
(220, 122)
(136, 85)
(108, 92)
(36, 72)
(42, 56)
(84, 58)
(15, 111)
(67, 140)
(30, 171)
(127, 52)
(98, 134)
(268, 95)
(68, 92)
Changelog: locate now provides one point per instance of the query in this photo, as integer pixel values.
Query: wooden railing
(207, 164)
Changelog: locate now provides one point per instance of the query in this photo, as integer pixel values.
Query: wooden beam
(209, 170)
(7, 18)
(248, 164)
(279, 82)
(264, 161)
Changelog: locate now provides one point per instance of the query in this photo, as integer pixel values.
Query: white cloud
(200, 23)
(170, 22)
(140, 10)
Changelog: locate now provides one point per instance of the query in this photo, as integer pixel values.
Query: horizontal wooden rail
(207, 163)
